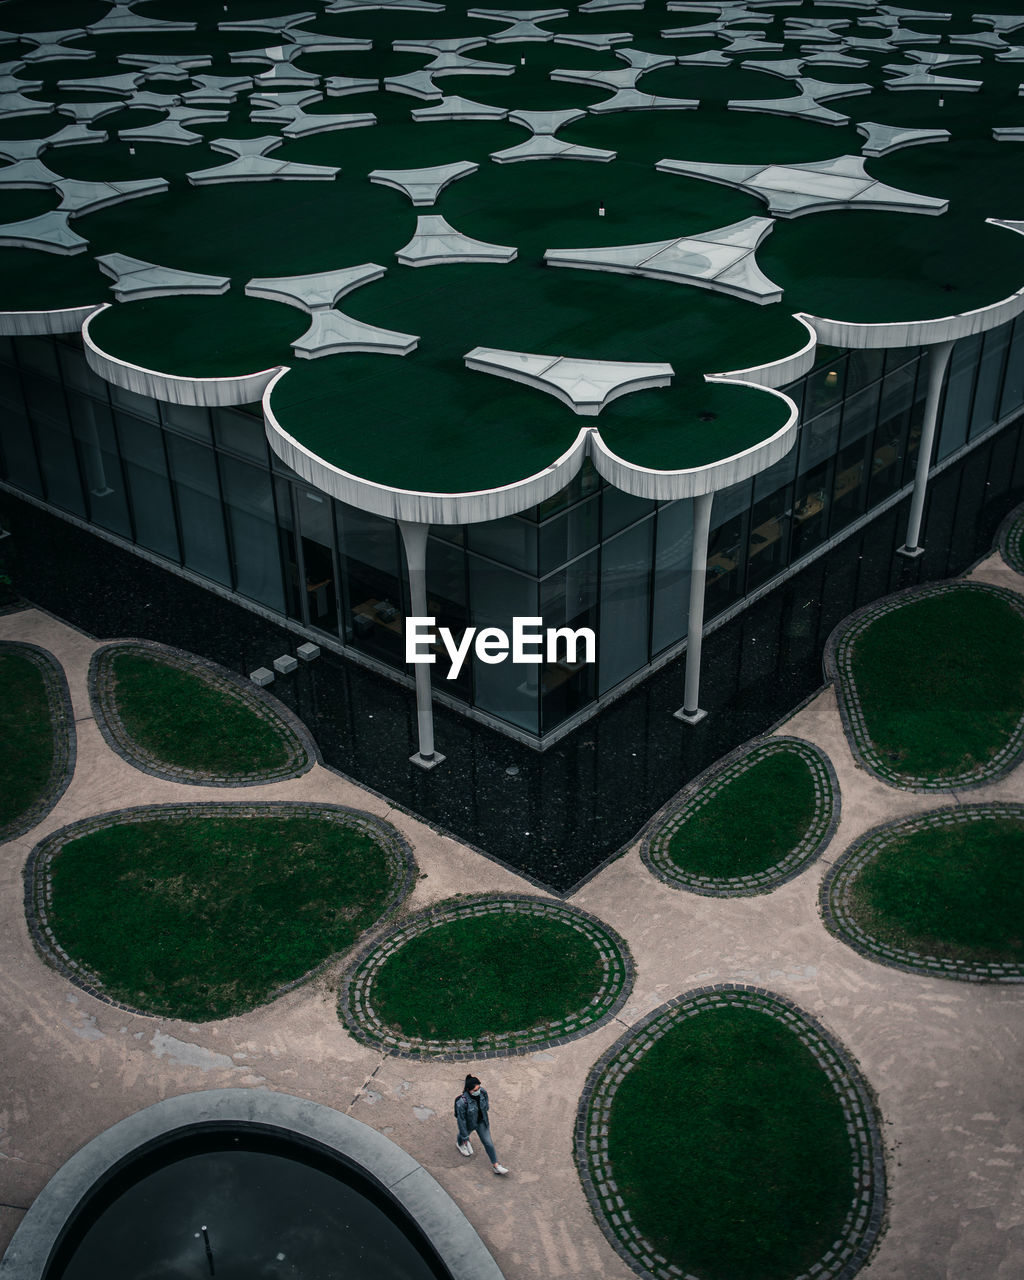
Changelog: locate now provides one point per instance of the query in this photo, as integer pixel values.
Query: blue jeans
(484, 1134)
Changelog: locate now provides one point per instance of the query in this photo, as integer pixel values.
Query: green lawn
(203, 917)
(486, 974)
(954, 892)
(941, 682)
(751, 823)
(185, 721)
(729, 1147)
(26, 736)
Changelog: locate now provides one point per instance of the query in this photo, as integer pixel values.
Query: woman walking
(471, 1112)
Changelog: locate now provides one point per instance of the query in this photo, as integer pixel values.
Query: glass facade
(201, 490)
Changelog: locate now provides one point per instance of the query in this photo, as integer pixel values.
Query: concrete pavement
(946, 1059)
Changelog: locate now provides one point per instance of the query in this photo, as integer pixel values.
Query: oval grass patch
(486, 975)
(939, 893)
(183, 718)
(202, 911)
(728, 1137)
(750, 823)
(36, 736)
(930, 684)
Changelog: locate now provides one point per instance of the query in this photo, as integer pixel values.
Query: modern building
(380, 480)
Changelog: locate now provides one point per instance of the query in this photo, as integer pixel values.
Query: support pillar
(690, 710)
(938, 362)
(414, 538)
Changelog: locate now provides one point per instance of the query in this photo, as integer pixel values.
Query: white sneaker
(465, 1148)
(500, 1168)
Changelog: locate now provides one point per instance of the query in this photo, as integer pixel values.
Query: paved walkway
(945, 1058)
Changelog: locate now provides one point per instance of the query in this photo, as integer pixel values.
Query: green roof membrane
(423, 421)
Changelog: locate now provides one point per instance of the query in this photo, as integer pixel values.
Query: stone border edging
(838, 667)
(65, 739)
(353, 1143)
(1010, 540)
(39, 885)
(865, 1220)
(298, 741)
(361, 1020)
(707, 785)
(840, 920)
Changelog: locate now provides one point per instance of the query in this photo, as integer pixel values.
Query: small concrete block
(307, 652)
(690, 717)
(427, 762)
(285, 664)
(262, 676)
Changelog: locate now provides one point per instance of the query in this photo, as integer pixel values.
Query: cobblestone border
(839, 669)
(355, 1006)
(1010, 540)
(38, 876)
(866, 1218)
(302, 750)
(654, 849)
(65, 740)
(840, 920)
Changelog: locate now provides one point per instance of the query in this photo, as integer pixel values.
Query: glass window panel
(818, 440)
(373, 576)
(320, 575)
(38, 354)
(625, 604)
(48, 413)
(672, 574)
(149, 489)
(990, 375)
(569, 535)
(568, 598)
(44, 399)
(730, 502)
(777, 476)
(1013, 380)
(194, 469)
(727, 557)
(188, 420)
(505, 689)
(249, 505)
(241, 434)
(289, 546)
(825, 386)
(512, 540)
(17, 448)
(93, 428)
(959, 393)
(77, 373)
(620, 509)
(810, 509)
(138, 406)
(863, 367)
(849, 491)
(860, 414)
(768, 547)
(447, 604)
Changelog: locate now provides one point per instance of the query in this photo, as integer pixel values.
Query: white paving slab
(436, 242)
(341, 86)
(721, 260)
(423, 186)
(599, 40)
(135, 279)
(456, 108)
(215, 91)
(334, 333)
(315, 291)
(796, 189)
(586, 386)
(807, 104)
(175, 128)
(49, 232)
(79, 198)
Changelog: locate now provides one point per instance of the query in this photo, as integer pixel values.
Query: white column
(938, 362)
(690, 710)
(414, 538)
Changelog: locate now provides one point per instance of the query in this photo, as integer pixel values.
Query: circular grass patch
(939, 893)
(930, 684)
(728, 1137)
(1012, 543)
(484, 976)
(750, 823)
(202, 911)
(36, 736)
(179, 717)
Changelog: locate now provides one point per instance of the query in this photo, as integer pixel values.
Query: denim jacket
(471, 1112)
